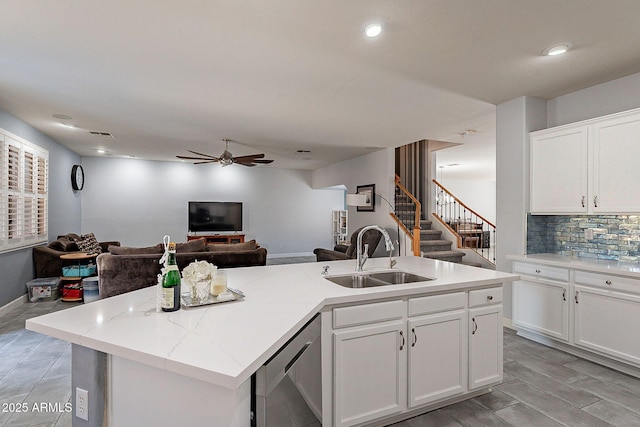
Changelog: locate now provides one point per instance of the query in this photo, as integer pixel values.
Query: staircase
(431, 243)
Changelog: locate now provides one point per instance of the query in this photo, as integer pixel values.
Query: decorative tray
(187, 301)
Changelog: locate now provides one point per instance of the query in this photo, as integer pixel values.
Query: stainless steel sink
(382, 278)
(398, 277)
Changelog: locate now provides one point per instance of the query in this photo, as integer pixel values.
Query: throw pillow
(199, 245)
(89, 244)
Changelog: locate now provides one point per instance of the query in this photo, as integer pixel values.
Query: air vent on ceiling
(101, 134)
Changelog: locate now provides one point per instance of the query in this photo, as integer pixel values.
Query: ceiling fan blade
(201, 154)
(263, 162)
(250, 157)
(206, 161)
(194, 158)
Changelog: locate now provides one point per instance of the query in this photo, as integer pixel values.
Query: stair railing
(407, 215)
(473, 231)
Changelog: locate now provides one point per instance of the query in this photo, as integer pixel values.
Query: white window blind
(23, 192)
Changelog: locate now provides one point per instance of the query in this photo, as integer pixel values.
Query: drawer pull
(475, 326)
(537, 270)
(576, 297)
(595, 201)
(489, 297)
(608, 282)
(402, 345)
(415, 337)
(564, 295)
(583, 201)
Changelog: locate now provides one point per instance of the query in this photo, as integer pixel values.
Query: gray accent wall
(64, 207)
(137, 202)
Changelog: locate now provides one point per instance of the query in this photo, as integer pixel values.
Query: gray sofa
(126, 269)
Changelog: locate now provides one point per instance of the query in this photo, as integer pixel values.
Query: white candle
(219, 283)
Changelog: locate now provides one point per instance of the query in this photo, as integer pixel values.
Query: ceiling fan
(227, 158)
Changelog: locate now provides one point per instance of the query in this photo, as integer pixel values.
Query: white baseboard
(13, 304)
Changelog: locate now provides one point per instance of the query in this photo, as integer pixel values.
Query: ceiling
(278, 76)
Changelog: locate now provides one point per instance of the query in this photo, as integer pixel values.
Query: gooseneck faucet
(363, 256)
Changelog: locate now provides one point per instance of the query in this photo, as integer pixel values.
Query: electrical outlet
(588, 234)
(82, 404)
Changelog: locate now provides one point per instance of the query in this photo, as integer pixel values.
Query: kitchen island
(194, 366)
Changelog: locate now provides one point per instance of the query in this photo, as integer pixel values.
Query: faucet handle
(325, 270)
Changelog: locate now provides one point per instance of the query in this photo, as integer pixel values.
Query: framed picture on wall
(370, 192)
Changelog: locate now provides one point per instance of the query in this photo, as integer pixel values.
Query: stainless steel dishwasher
(299, 358)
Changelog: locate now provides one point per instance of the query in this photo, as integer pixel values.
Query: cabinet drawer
(539, 270)
(436, 303)
(607, 281)
(485, 297)
(368, 313)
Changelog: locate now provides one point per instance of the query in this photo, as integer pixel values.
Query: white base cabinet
(607, 322)
(396, 356)
(594, 314)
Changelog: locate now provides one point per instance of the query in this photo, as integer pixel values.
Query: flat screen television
(215, 216)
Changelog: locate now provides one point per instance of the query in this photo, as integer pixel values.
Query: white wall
(478, 195)
(374, 168)
(137, 202)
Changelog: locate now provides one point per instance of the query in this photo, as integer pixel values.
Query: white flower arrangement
(199, 270)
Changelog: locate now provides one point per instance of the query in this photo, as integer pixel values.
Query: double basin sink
(381, 278)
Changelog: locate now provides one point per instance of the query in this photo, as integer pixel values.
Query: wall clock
(77, 177)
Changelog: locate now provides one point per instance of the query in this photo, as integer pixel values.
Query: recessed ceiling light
(69, 125)
(373, 30)
(62, 116)
(100, 151)
(558, 49)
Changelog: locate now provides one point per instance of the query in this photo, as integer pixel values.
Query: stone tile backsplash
(615, 237)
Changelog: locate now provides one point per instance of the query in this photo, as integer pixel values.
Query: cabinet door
(370, 372)
(437, 357)
(607, 322)
(485, 346)
(559, 171)
(616, 149)
(542, 306)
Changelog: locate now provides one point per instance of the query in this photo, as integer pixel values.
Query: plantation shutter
(23, 193)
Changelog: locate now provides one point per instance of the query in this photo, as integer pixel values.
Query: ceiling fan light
(373, 30)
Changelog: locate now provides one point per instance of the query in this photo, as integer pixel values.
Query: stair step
(451, 256)
(435, 245)
(425, 224)
(472, 264)
(430, 235)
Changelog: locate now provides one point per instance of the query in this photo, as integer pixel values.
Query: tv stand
(218, 238)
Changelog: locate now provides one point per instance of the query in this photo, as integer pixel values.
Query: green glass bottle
(171, 282)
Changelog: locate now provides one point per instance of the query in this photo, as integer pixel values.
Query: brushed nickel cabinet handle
(415, 337)
(608, 282)
(475, 326)
(564, 295)
(595, 201)
(576, 297)
(402, 345)
(582, 201)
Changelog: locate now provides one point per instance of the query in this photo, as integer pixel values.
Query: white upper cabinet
(616, 169)
(559, 171)
(587, 167)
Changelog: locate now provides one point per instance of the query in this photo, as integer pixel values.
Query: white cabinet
(394, 356)
(586, 167)
(437, 366)
(540, 300)
(616, 149)
(594, 314)
(485, 339)
(606, 315)
(559, 156)
(339, 227)
(369, 372)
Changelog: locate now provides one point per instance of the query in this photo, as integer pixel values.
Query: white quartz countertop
(631, 269)
(225, 344)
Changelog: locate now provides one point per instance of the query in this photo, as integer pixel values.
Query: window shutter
(23, 193)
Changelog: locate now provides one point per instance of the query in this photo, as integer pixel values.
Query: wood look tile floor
(542, 386)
